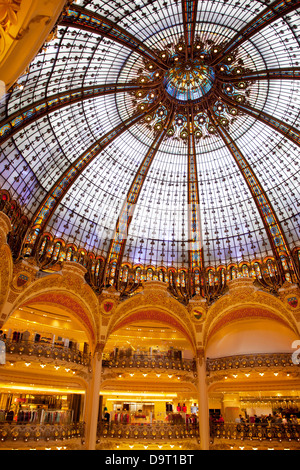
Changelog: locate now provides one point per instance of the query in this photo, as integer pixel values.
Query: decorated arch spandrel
(154, 304)
(66, 292)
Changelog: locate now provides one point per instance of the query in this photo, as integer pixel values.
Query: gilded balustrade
(149, 431)
(249, 361)
(245, 361)
(154, 362)
(44, 351)
(40, 432)
(259, 432)
(21, 349)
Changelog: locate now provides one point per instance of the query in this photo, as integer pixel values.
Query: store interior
(130, 396)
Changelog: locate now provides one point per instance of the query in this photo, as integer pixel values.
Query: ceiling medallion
(192, 89)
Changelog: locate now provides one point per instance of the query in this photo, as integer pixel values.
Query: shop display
(38, 409)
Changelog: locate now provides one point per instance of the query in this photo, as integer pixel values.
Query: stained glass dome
(189, 81)
(161, 133)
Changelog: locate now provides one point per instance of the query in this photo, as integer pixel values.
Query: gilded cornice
(10, 374)
(218, 383)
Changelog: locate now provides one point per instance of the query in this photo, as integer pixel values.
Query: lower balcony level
(226, 436)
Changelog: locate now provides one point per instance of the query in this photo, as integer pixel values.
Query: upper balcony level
(22, 350)
(154, 361)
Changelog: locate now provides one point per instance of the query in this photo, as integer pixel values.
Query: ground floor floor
(238, 420)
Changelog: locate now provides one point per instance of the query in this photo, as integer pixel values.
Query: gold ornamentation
(198, 313)
(154, 296)
(108, 306)
(8, 13)
(290, 296)
(21, 280)
(245, 301)
(70, 291)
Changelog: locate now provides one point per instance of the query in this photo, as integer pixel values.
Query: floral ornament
(192, 87)
(8, 12)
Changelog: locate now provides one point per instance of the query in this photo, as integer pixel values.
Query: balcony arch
(66, 292)
(154, 315)
(250, 334)
(249, 313)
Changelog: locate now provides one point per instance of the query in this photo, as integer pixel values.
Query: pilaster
(92, 398)
(203, 410)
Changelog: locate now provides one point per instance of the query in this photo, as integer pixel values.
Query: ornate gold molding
(155, 298)
(5, 227)
(24, 27)
(9, 13)
(68, 290)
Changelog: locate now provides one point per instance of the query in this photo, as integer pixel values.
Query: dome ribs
(68, 178)
(31, 113)
(271, 223)
(189, 11)
(283, 128)
(81, 18)
(87, 166)
(195, 242)
(275, 11)
(292, 73)
(117, 245)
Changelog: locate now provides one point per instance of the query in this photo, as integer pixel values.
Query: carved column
(5, 263)
(92, 398)
(202, 400)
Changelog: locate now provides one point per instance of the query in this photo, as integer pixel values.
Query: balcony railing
(45, 350)
(44, 432)
(148, 431)
(249, 360)
(260, 432)
(150, 362)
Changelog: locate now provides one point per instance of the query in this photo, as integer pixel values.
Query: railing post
(202, 400)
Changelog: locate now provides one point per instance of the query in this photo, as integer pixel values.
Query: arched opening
(254, 348)
(47, 356)
(158, 316)
(148, 366)
(47, 324)
(251, 336)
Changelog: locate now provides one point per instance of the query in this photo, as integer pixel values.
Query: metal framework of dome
(160, 136)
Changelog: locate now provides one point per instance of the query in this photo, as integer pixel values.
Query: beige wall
(250, 337)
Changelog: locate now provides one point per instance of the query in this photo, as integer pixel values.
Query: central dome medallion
(192, 96)
(189, 80)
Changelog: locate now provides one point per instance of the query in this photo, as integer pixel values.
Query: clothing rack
(57, 417)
